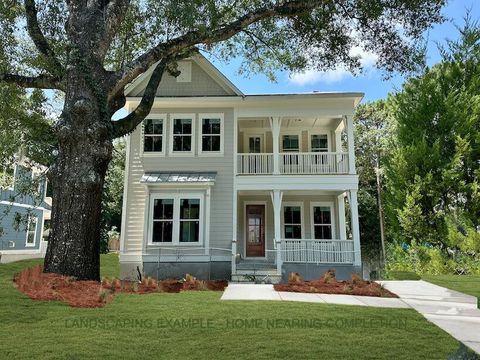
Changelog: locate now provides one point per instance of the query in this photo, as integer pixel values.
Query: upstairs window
(153, 130)
(290, 143)
(211, 141)
(183, 127)
(319, 143)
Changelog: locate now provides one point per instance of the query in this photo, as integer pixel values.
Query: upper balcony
(295, 146)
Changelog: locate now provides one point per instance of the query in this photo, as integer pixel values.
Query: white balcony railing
(255, 164)
(317, 251)
(312, 163)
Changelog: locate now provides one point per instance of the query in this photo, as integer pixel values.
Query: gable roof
(139, 84)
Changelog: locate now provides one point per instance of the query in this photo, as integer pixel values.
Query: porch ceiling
(291, 192)
(291, 123)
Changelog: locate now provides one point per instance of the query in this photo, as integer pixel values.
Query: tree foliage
(433, 174)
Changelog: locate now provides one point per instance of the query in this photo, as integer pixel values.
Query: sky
(371, 82)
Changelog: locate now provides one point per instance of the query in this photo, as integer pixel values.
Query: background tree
(373, 136)
(92, 49)
(433, 174)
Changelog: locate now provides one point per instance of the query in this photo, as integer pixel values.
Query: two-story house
(220, 184)
(24, 210)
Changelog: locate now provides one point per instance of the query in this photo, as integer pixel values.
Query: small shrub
(294, 278)
(357, 280)
(103, 295)
(328, 277)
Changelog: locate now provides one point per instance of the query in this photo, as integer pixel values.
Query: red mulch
(327, 284)
(38, 285)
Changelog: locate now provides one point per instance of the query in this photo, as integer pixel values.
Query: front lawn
(468, 284)
(197, 325)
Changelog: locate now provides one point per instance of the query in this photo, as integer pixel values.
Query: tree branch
(129, 123)
(41, 81)
(208, 36)
(55, 68)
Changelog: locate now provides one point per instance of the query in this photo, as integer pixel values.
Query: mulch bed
(38, 285)
(328, 284)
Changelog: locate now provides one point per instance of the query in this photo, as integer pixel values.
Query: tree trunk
(77, 178)
(380, 211)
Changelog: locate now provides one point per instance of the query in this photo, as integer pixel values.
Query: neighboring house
(22, 213)
(220, 184)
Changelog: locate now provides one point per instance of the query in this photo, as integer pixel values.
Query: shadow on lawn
(464, 353)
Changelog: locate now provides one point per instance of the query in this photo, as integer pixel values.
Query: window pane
(211, 143)
(290, 143)
(153, 126)
(254, 145)
(211, 126)
(163, 209)
(157, 143)
(293, 231)
(323, 232)
(162, 231)
(189, 231)
(322, 215)
(319, 142)
(148, 143)
(189, 209)
(182, 143)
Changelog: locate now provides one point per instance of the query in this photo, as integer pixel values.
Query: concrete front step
(251, 278)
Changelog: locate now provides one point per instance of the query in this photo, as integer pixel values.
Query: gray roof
(162, 177)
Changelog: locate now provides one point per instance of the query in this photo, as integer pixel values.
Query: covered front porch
(278, 230)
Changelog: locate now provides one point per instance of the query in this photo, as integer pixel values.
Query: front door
(255, 230)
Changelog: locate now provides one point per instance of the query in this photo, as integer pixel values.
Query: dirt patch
(38, 285)
(328, 284)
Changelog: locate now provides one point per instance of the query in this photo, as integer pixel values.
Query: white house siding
(201, 85)
(221, 195)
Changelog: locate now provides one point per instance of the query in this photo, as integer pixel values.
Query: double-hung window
(319, 142)
(211, 134)
(322, 221)
(183, 129)
(291, 143)
(153, 131)
(31, 231)
(292, 221)
(176, 219)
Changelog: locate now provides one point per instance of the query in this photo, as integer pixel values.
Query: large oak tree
(92, 49)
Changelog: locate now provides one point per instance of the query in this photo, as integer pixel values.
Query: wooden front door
(255, 229)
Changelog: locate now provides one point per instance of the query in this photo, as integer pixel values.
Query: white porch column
(351, 147)
(277, 196)
(355, 227)
(235, 193)
(275, 124)
(341, 217)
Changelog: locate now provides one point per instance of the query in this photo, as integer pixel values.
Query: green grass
(52, 330)
(468, 284)
(403, 275)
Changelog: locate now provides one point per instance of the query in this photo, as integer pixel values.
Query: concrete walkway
(452, 311)
(236, 291)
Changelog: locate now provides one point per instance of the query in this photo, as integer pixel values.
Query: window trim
(172, 117)
(319, 132)
(142, 136)
(302, 217)
(291, 132)
(331, 205)
(201, 152)
(34, 233)
(176, 218)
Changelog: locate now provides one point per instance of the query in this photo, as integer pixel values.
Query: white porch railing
(255, 164)
(314, 163)
(317, 251)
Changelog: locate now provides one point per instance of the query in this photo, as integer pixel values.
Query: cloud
(367, 60)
